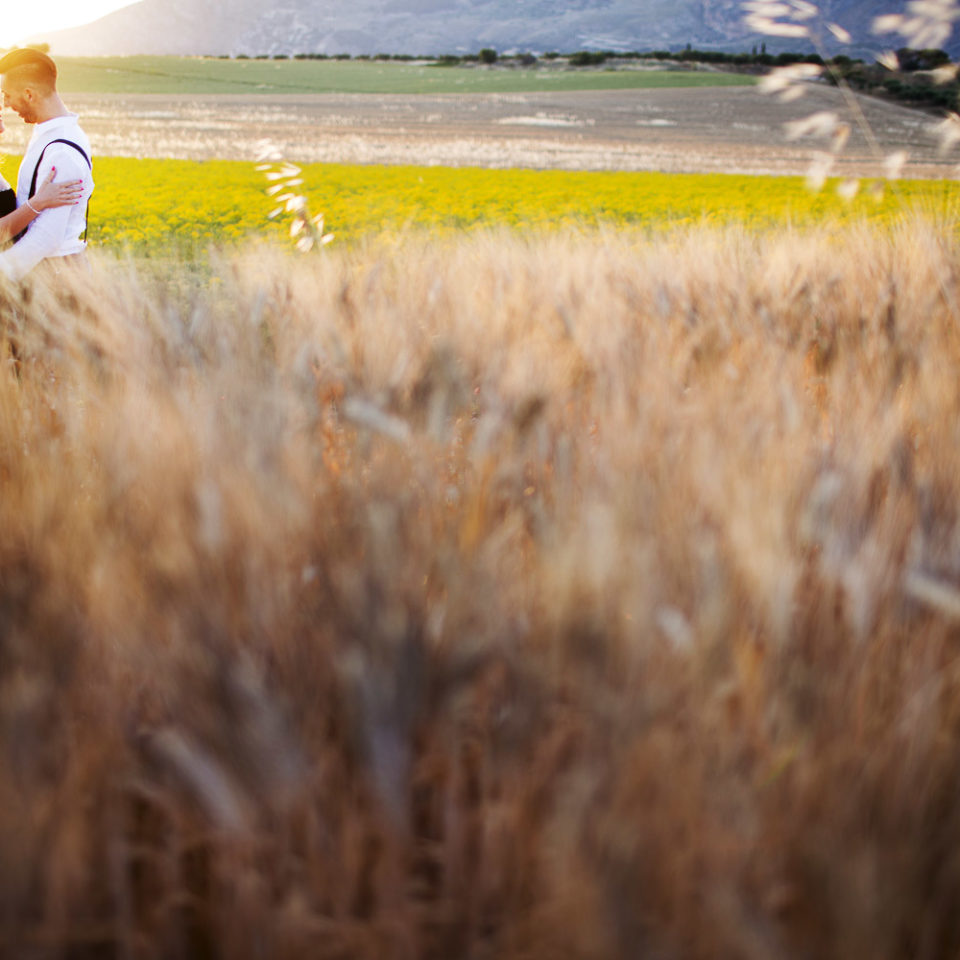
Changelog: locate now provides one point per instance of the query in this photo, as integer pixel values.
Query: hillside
(436, 26)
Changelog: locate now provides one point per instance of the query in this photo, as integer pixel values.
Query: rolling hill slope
(438, 26)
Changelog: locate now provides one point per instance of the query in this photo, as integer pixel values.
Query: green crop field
(207, 75)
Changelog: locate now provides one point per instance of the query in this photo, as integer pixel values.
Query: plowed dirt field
(735, 130)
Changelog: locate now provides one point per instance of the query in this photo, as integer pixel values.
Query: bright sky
(23, 20)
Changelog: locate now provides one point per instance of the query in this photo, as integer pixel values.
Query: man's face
(19, 98)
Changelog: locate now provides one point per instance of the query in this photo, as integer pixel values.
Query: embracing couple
(44, 221)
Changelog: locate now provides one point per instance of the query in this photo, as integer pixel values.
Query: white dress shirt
(57, 231)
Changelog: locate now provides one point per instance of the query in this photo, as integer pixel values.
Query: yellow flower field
(150, 204)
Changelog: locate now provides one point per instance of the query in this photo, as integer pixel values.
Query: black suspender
(36, 171)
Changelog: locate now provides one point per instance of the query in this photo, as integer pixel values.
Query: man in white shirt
(28, 80)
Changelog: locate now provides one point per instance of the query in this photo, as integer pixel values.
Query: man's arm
(49, 231)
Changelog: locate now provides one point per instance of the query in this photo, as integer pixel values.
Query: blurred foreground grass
(571, 596)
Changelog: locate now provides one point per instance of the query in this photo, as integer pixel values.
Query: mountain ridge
(434, 27)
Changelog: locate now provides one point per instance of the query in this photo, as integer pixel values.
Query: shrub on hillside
(587, 58)
(913, 60)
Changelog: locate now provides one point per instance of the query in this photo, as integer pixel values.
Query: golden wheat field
(585, 595)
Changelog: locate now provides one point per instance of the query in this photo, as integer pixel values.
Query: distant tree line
(579, 58)
(911, 82)
(910, 60)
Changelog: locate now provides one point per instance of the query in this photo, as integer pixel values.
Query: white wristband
(32, 207)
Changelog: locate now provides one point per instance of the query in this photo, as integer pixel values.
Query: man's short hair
(30, 67)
